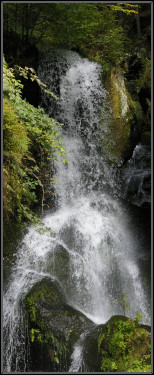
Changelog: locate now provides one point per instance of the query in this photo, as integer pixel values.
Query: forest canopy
(99, 29)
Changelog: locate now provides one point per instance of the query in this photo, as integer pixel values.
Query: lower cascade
(96, 252)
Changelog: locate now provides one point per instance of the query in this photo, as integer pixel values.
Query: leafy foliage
(40, 330)
(31, 139)
(15, 147)
(31, 73)
(93, 28)
(123, 302)
(125, 346)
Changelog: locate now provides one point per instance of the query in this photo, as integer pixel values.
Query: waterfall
(90, 225)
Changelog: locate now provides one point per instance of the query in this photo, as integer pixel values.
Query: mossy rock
(121, 129)
(54, 327)
(118, 345)
(92, 356)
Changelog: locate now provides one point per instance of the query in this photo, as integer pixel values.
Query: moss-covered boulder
(54, 327)
(120, 345)
(121, 130)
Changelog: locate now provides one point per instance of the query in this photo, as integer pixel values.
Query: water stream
(94, 253)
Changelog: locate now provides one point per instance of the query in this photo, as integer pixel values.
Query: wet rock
(120, 129)
(54, 327)
(136, 177)
(144, 94)
(91, 355)
(134, 182)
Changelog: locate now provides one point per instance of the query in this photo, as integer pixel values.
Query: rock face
(136, 177)
(119, 96)
(135, 68)
(54, 327)
(126, 135)
(129, 122)
(119, 135)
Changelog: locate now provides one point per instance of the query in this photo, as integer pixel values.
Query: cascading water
(93, 254)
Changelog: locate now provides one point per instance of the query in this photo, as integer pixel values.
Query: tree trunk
(16, 16)
(138, 24)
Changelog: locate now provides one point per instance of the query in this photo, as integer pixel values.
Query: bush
(31, 139)
(125, 347)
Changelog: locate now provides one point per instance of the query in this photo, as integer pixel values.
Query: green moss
(54, 327)
(124, 346)
(36, 295)
(123, 128)
(39, 328)
(116, 130)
